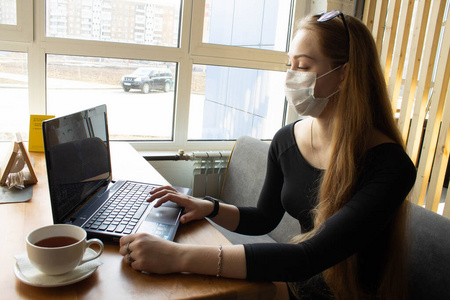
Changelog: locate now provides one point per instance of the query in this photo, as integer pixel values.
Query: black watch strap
(216, 206)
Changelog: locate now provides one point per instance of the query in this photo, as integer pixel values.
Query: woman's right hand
(194, 208)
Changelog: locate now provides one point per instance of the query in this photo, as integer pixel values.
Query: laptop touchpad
(163, 214)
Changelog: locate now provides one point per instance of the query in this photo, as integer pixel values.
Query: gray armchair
(429, 259)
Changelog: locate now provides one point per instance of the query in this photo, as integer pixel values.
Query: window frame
(23, 30)
(198, 48)
(191, 51)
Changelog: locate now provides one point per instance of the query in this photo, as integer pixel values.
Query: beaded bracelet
(219, 264)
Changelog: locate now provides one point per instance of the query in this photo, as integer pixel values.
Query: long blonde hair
(362, 105)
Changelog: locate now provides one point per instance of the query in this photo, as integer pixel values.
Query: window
(14, 99)
(139, 97)
(8, 13)
(16, 20)
(231, 102)
(171, 76)
(235, 101)
(152, 22)
(252, 23)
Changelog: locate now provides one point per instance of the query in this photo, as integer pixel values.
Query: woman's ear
(343, 72)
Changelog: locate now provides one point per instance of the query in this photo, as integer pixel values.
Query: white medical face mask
(299, 90)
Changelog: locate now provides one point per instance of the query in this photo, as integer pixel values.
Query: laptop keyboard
(123, 210)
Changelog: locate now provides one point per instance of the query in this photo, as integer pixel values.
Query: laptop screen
(77, 157)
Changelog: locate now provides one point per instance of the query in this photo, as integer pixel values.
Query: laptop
(82, 191)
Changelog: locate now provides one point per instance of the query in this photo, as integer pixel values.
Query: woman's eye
(298, 65)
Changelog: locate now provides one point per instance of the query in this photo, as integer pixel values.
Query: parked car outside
(147, 79)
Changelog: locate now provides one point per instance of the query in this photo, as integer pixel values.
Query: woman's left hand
(194, 209)
(145, 252)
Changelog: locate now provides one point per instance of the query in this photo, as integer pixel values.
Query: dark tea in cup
(56, 241)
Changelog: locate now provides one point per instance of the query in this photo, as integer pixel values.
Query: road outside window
(140, 104)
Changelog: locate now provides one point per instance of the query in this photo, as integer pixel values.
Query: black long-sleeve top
(291, 186)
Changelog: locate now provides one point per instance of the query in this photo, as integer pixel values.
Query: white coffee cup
(58, 249)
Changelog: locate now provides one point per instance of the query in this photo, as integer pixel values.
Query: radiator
(209, 172)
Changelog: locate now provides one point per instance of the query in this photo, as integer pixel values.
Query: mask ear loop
(329, 72)
(338, 90)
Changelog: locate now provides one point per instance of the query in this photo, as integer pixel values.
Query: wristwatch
(216, 206)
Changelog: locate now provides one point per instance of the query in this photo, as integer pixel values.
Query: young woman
(343, 173)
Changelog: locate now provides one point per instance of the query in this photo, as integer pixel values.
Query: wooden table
(113, 279)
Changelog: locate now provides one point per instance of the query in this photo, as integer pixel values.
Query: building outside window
(8, 15)
(225, 63)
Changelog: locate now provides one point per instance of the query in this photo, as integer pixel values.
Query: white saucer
(22, 278)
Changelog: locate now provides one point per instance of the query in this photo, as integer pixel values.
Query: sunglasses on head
(333, 14)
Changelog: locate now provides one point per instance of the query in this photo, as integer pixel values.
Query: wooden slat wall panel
(428, 148)
(399, 54)
(369, 12)
(412, 73)
(441, 158)
(379, 20)
(390, 30)
(411, 27)
(424, 82)
(431, 132)
(440, 97)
